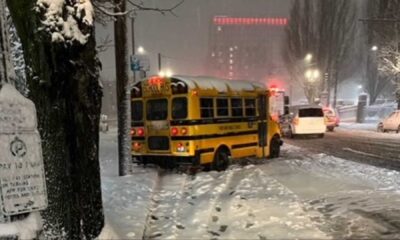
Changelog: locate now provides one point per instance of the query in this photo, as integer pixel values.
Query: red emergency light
(156, 80)
(250, 21)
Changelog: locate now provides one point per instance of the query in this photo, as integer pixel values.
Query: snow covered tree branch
(66, 21)
(107, 8)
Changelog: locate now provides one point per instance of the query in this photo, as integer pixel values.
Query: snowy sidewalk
(358, 126)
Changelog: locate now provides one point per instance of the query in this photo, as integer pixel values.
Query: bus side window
(179, 108)
(237, 107)
(250, 107)
(222, 107)
(206, 107)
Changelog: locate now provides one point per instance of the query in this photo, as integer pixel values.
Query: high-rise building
(246, 48)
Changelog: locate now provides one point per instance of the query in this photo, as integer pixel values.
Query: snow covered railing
(348, 113)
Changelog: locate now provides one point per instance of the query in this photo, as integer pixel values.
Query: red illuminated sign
(250, 21)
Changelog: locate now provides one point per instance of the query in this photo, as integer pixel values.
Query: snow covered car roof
(220, 85)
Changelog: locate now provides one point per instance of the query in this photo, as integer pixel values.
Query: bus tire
(275, 147)
(221, 160)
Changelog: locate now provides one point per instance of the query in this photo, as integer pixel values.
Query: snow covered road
(378, 149)
(300, 195)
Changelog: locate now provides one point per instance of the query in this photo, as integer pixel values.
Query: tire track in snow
(166, 198)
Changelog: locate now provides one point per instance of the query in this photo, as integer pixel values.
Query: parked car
(390, 123)
(304, 120)
(332, 119)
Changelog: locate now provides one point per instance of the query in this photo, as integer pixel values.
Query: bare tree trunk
(4, 55)
(63, 83)
(123, 96)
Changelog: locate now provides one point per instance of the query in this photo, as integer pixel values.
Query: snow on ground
(366, 129)
(24, 229)
(300, 195)
(359, 126)
(125, 199)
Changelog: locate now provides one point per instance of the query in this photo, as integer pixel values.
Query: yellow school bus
(201, 121)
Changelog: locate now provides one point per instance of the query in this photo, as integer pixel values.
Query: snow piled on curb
(24, 229)
(126, 201)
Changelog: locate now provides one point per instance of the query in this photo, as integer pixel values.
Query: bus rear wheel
(275, 147)
(221, 160)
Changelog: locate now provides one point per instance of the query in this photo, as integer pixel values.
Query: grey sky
(184, 39)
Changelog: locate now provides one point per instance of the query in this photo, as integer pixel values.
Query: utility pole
(133, 44)
(159, 62)
(123, 95)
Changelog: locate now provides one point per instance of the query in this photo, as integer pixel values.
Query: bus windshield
(157, 109)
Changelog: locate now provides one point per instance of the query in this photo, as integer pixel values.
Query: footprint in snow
(223, 228)
(248, 225)
(155, 235)
(215, 218)
(213, 233)
(180, 226)
(261, 237)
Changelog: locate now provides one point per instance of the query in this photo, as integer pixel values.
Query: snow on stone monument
(22, 180)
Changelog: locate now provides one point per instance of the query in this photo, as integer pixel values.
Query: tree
(389, 66)
(324, 29)
(383, 30)
(5, 63)
(62, 74)
(17, 56)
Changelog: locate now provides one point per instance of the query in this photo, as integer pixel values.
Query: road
(300, 195)
(378, 149)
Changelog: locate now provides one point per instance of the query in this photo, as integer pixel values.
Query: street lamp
(308, 57)
(141, 50)
(312, 75)
(374, 48)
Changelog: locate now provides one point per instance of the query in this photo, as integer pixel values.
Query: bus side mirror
(286, 100)
(286, 110)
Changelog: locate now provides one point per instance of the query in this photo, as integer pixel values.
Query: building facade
(246, 48)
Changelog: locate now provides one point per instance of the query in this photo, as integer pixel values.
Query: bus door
(263, 122)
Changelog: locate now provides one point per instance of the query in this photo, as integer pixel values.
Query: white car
(304, 120)
(390, 123)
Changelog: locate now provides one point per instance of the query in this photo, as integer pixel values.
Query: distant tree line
(324, 30)
(382, 27)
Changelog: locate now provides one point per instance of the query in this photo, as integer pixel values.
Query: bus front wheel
(221, 160)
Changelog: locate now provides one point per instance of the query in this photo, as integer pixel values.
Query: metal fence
(373, 113)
